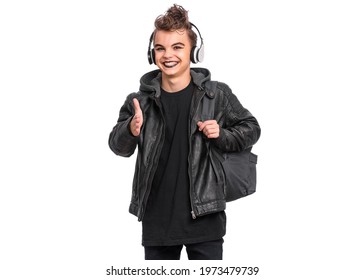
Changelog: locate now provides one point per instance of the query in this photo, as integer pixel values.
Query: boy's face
(172, 53)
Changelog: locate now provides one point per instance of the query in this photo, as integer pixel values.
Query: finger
(206, 124)
(209, 131)
(213, 135)
(209, 122)
(136, 105)
(137, 123)
(135, 127)
(212, 130)
(202, 125)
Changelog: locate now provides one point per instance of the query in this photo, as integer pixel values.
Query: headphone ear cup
(201, 53)
(197, 54)
(193, 55)
(151, 56)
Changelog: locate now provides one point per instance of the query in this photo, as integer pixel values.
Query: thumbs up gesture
(137, 121)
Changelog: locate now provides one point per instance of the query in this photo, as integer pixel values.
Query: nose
(168, 53)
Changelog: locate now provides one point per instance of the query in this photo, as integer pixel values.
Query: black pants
(209, 250)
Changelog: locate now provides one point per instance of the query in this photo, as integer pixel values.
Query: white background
(65, 70)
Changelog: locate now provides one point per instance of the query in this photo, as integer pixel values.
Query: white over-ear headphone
(197, 53)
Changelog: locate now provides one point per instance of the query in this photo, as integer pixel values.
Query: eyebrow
(175, 44)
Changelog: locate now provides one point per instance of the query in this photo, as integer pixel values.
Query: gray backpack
(240, 177)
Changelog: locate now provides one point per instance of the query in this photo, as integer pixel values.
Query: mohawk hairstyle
(176, 18)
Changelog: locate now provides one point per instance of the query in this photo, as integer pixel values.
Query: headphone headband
(197, 54)
(199, 34)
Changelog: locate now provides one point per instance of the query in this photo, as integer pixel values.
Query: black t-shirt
(168, 220)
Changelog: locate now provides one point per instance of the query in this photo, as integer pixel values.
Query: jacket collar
(151, 81)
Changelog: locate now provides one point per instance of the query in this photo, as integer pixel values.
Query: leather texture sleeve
(121, 141)
(239, 129)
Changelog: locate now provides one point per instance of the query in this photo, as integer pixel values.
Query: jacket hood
(151, 81)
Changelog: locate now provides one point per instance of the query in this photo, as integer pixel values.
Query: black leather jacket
(238, 130)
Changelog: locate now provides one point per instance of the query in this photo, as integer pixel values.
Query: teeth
(170, 64)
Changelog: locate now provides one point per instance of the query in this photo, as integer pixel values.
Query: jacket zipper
(153, 170)
(193, 213)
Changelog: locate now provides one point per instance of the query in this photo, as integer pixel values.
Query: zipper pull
(193, 215)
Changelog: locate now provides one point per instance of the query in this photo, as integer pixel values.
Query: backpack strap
(208, 102)
(211, 87)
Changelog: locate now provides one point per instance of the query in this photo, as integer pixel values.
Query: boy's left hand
(210, 128)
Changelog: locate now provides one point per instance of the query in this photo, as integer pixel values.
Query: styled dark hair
(176, 18)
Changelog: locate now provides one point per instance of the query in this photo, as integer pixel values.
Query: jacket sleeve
(239, 129)
(121, 141)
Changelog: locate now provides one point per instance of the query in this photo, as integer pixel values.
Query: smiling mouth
(170, 64)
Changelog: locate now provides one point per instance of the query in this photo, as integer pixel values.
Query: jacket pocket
(240, 174)
(216, 162)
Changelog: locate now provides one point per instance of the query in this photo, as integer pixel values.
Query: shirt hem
(182, 241)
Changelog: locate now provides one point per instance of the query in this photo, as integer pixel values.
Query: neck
(174, 84)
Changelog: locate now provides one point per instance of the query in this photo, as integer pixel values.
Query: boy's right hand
(137, 121)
